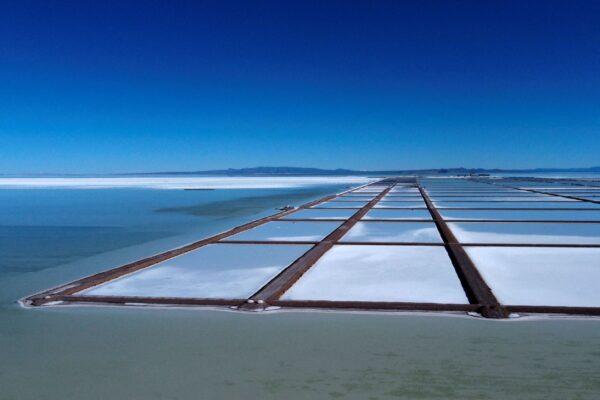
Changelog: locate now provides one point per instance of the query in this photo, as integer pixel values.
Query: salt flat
(179, 182)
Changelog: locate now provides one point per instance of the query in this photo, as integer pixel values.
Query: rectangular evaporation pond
(574, 190)
(405, 191)
(522, 215)
(311, 213)
(370, 194)
(288, 231)
(419, 274)
(525, 233)
(402, 198)
(531, 185)
(341, 204)
(394, 232)
(352, 199)
(482, 188)
(516, 204)
(367, 190)
(400, 204)
(469, 193)
(357, 195)
(479, 194)
(471, 189)
(224, 271)
(564, 189)
(568, 189)
(397, 214)
(594, 192)
(540, 276)
(579, 195)
(518, 198)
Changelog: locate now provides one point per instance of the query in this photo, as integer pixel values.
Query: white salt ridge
(179, 182)
(381, 273)
(541, 276)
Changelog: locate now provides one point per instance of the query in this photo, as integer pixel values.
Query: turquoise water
(48, 237)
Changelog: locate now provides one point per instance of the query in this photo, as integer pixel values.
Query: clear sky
(113, 86)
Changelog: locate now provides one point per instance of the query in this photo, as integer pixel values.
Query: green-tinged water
(49, 237)
(100, 353)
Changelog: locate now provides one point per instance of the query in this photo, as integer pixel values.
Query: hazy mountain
(298, 171)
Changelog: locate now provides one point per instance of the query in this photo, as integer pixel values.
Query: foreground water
(51, 236)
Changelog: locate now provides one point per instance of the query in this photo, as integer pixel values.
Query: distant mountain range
(297, 171)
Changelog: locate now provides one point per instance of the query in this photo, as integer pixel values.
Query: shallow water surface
(99, 353)
(48, 237)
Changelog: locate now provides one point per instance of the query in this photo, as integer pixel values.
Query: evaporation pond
(541, 276)
(396, 232)
(526, 233)
(230, 271)
(381, 273)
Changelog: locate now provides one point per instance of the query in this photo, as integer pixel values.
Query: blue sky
(148, 86)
